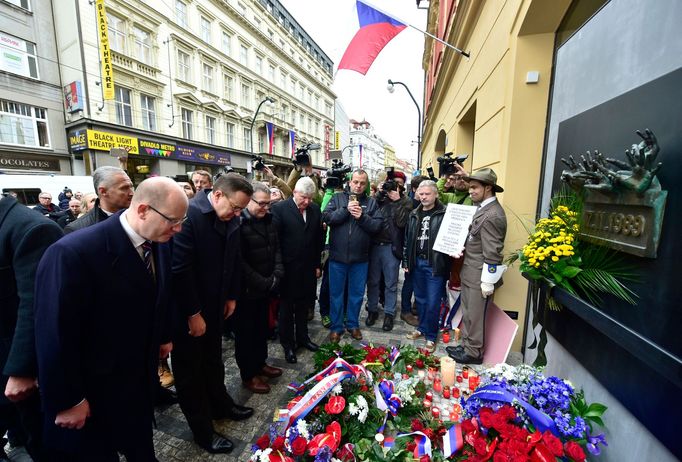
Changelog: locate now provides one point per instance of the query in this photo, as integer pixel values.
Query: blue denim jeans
(406, 294)
(382, 260)
(352, 276)
(428, 293)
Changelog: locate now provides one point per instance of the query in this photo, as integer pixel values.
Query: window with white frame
(181, 13)
(226, 43)
(259, 65)
(184, 66)
(283, 79)
(20, 3)
(244, 55)
(207, 77)
(246, 95)
(293, 115)
(317, 129)
(117, 33)
(247, 139)
(187, 124)
(18, 56)
(242, 8)
(147, 107)
(310, 98)
(271, 74)
(210, 129)
(124, 107)
(228, 87)
(292, 86)
(317, 103)
(301, 92)
(23, 124)
(301, 121)
(205, 29)
(143, 45)
(229, 131)
(285, 113)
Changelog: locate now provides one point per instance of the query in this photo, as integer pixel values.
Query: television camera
(446, 163)
(337, 174)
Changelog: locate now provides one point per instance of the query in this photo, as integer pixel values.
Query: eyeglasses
(262, 204)
(171, 221)
(235, 208)
(44, 197)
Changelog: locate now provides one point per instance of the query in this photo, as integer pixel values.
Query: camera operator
(277, 182)
(453, 179)
(387, 247)
(303, 167)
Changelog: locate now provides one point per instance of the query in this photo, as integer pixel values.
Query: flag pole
(462, 52)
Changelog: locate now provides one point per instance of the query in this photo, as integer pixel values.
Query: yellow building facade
(493, 106)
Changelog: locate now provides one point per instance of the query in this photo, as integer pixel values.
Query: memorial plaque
(454, 229)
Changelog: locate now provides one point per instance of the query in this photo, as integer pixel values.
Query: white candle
(447, 370)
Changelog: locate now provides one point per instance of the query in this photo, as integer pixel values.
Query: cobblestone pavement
(173, 440)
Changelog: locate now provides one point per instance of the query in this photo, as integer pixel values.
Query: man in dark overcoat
(206, 284)
(98, 344)
(24, 237)
(299, 227)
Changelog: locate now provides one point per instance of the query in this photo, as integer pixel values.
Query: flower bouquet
(556, 255)
(371, 404)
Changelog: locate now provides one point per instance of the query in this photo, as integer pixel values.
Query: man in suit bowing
(206, 283)
(299, 226)
(482, 270)
(98, 345)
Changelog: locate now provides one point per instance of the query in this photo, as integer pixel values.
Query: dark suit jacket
(100, 318)
(206, 266)
(485, 243)
(301, 244)
(24, 237)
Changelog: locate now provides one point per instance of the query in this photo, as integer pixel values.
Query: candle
(421, 374)
(435, 412)
(457, 334)
(459, 379)
(427, 403)
(454, 416)
(473, 382)
(446, 392)
(432, 373)
(446, 336)
(455, 392)
(429, 396)
(465, 372)
(437, 385)
(409, 368)
(447, 370)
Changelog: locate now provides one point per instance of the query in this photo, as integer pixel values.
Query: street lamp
(269, 100)
(391, 89)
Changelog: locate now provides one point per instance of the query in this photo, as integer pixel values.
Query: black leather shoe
(388, 322)
(372, 317)
(453, 349)
(309, 345)
(236, 412)
(165, 396)
(218, 445)
(461, 357)
(290, 356)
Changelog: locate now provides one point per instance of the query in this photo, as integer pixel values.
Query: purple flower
(593, 443)
(324, 454)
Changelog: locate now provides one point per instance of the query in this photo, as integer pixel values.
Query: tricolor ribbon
(315, 395)
(387, 400)
(337, 364)
(453, 440)
(423, 442)
(540, 420)
(395, 353)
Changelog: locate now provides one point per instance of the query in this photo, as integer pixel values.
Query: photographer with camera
(303, 167)
(387, 247)
(453, 178)
(275, 181)
(353, 218)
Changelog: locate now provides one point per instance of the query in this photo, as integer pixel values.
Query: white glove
(487, 289)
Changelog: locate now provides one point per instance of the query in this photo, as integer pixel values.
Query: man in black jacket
(24, 237)
(428, 267)
(46, 208)
(387, 250)
(114, 192)
(353, 218)
(262, 272)
(71, 213)
(206, 283)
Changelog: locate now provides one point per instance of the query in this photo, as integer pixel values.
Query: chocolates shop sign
(28, 163)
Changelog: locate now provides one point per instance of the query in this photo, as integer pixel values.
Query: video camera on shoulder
(446, 163)
(337, 174)
(302, 156)
(258, 162)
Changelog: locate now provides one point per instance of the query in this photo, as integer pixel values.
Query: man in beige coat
(482, 270)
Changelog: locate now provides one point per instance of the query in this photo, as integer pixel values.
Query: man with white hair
(98, 345)
(114, 192)
(299, 226)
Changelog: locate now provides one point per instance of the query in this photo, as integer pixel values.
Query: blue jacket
(350, 239)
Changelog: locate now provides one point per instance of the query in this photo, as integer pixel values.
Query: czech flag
(376, 30)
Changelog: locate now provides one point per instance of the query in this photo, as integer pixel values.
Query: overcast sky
(332, 24)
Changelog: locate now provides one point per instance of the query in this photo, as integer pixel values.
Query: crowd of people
(98, 296)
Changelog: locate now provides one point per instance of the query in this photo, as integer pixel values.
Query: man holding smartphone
(353, 218)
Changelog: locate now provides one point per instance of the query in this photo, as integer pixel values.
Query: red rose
(485, 415)
(298, 446)
(574, 451)
(410, 446)
(335, 405)
(424, 459)
(278, 444)
(468, 426)
(364, 388)
(429, 433)
(419, 363)
(480, 446)
(553, 443)
(500, 457)
(417, 425)
(263, 442)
